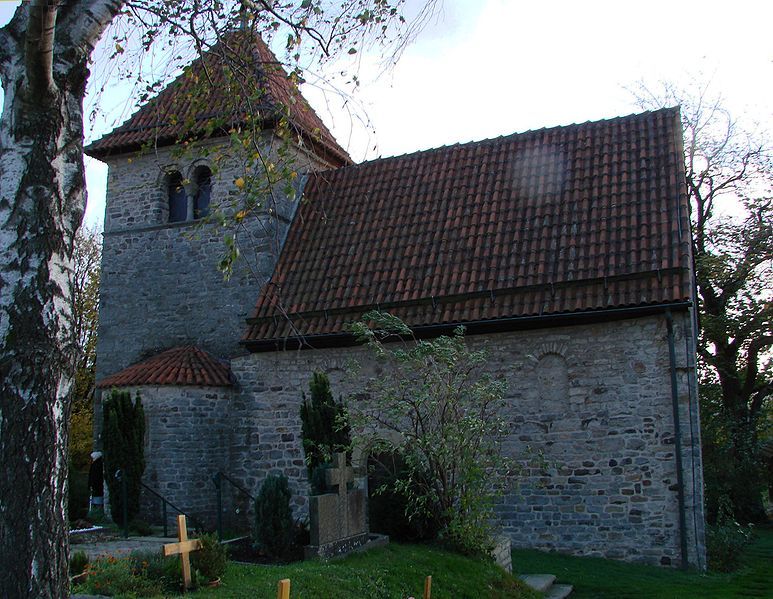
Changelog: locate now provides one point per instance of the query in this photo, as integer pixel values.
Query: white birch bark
(43, 69)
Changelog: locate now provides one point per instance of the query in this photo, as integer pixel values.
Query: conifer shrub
(123, 439)
(211, 559)
(324, 427)
(274, 530)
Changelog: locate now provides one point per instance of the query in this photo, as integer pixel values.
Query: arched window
(203, 179)
(178, 202)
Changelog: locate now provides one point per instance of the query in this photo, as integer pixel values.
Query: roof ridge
(499, 138)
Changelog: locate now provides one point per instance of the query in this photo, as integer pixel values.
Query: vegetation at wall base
(274, 530)
(324, 424)
(387, 508)
(123, 438)
(433, 404)
(726, 540)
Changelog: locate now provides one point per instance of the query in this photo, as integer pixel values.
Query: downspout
(677, 441)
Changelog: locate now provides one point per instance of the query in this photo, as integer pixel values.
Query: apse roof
(185, 365)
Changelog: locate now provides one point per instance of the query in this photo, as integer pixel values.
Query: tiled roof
(186, 365)
(204, 93)
(568, 219)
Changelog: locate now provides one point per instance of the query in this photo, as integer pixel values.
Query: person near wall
(96, 485)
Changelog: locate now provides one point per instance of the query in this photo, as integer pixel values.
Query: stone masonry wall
(595, 399)
(160, 284)
(186, 443)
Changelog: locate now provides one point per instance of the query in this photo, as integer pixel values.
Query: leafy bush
(124, 435)
(274, 529)
(387, 508)
(434, 405)
(324, 423)
(78, 562)
(725, 540)
(211, 559)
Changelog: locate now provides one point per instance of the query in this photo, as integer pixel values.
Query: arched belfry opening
(178, 202)
(202, 178)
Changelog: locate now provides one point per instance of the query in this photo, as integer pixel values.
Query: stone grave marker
(337, 521)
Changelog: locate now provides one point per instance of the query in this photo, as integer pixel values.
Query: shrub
(165, 572)
(387, 508)
(725, 540)
(111, 576)
(274, 529)
(433, 404)
(324, 423)
(124, 434)
(211, 559)
(78, 562)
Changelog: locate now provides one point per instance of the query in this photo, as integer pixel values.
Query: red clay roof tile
(577, 218)
(187, 365)
(188, 107)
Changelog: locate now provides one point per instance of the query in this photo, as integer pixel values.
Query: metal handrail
(164, 503)
(217, 481)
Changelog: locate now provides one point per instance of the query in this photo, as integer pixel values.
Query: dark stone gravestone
(337, 521)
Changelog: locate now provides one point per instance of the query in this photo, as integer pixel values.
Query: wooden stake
(283, 589)
(183, 548)
(427, 587)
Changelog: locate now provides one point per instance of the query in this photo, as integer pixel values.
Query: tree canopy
(729, 173)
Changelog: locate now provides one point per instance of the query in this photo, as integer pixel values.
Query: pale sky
(485, 68)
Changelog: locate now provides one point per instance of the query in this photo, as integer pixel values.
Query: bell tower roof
(238, 80)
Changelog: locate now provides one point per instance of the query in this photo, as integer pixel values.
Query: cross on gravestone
(183, 548)
(341, 475)
(337, 520)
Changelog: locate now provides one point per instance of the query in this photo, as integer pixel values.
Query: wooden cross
(183, 548)
(340, 475)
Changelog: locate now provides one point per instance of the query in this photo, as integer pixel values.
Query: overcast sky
(485, 68)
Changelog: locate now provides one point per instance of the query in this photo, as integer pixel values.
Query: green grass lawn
(398, 571)
(395, 571)
(598, 578)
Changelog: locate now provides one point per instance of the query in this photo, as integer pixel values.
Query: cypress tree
(324, 423)
(273, 532)
(123, 440)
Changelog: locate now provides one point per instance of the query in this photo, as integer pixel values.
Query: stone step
(559, 591)
(539, 582)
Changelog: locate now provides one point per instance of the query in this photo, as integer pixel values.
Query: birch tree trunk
(43, 68)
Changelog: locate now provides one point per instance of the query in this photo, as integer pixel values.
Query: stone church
(566, 252)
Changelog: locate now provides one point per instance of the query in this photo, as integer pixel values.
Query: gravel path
(117, 546)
